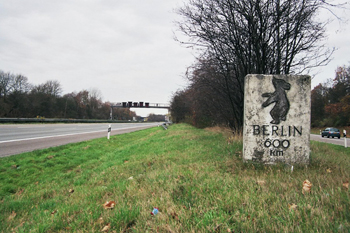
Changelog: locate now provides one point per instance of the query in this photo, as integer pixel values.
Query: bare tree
(20, 84)
(255, 36)
(95, 102)
(6, 80)
(51, 87)
(212, 94)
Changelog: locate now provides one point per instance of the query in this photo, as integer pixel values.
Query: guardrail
(56, 120)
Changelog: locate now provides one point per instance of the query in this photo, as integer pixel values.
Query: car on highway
(330, 132)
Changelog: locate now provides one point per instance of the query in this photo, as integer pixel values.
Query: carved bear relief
(279, 97)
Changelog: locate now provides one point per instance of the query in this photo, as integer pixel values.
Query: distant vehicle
(331, 132)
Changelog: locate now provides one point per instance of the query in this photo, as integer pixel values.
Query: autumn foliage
(330, 101)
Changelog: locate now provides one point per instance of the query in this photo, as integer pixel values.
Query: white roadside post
(345, 141)
(109, 131)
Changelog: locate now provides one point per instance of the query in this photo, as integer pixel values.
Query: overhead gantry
(131, 104)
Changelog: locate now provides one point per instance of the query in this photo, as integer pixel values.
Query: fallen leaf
(261, 182)
(329, 170)
(346, 184)
(109, 205)
(71, 190)
(292, 206)
(307, 186)
(126, 161)
(12, 215)
(106, 228)
(100, 220)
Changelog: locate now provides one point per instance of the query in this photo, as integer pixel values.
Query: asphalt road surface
(336, 141)
(15, 139)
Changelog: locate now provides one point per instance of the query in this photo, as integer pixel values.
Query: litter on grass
(155, 211)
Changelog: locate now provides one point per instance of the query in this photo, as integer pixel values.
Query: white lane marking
(63, 135)
(26, 139)
(28, 127)
(59, 129)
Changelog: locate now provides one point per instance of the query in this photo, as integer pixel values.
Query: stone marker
(277, 118)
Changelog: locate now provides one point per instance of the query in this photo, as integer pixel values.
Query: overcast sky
(124, 48)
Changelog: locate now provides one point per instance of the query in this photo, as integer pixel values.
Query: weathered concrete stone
(277, 118)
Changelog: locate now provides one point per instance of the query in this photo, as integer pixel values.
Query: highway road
(336, 141)
(19, 138)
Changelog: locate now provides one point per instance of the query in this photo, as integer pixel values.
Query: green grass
(195, 177)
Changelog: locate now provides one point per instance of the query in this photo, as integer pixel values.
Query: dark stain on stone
(258, 155)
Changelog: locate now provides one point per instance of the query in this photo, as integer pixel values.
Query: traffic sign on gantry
(131, 104)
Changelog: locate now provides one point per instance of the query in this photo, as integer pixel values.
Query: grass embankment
(195, 177)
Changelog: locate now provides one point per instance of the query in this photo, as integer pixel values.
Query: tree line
(21, 99)
(236, 38)
(330, 101)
